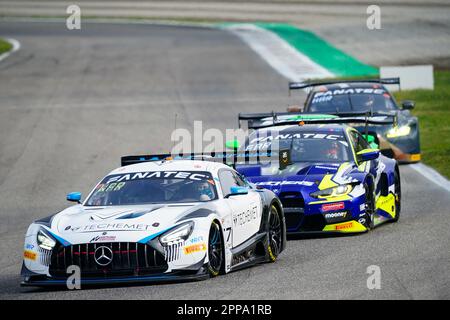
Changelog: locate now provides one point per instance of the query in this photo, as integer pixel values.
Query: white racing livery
(157, 221)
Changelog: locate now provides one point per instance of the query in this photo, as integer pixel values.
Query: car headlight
(399, 132)
(333, 192)
(45, 241)
(178, 234)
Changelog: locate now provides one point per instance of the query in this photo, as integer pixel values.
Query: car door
(245, 208)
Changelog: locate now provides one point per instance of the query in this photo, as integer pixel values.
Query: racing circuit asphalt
(73, 102)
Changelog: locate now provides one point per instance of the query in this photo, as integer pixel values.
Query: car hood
(79, 223)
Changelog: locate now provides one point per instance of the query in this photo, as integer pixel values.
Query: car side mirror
(367, 155)
(232, 144)
(408, 104)
(74, 197)
(235, 191)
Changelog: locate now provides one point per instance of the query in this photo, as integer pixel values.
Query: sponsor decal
(284, 183)
(322, 99)
(344, 226)
(264, 143)
(103, 239)
(117, 179)
(30, 255)
(29, 246)
(195, 240)
(194, 248)
(326, 168)
(298, 135)
(110, 226)
(245, 217)
(333, 206)
(383, 202)
(320, 96)
(108, 187)
(339, 214)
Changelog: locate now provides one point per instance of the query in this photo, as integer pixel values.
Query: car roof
(171, 165)
(344, 85)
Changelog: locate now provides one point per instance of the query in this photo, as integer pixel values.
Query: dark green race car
(339, 97)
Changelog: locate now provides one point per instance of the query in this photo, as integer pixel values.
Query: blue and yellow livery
(334, 181)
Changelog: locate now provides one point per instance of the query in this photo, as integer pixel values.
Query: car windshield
(153, 187)
(305, 146)
(339, 101)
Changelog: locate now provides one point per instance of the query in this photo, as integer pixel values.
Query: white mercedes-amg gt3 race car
(157, 221)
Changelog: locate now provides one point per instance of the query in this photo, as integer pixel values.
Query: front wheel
(369, 207)
(215, 250)
(275, 234)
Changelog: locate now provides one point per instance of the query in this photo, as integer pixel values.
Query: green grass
(433, 110)
(4, 46)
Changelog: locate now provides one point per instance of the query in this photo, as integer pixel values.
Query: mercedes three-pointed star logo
(103, 256)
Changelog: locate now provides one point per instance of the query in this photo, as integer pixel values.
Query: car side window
(353, 140)
(358, 141)
(240, 180)
(362, 143)
(227, 180)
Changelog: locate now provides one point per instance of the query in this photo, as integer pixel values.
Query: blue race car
(401, 142)
(332, 182)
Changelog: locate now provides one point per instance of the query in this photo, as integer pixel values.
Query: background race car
(333, 182)
(401, 142)
(157, 220)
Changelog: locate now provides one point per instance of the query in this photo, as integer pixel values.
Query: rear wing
(265, 120)
(305, 85)
(231, 158)
(274, 119)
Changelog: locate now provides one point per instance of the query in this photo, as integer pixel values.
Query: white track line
(158, 22)
(15, 46)
(279, 54)
(431, 175)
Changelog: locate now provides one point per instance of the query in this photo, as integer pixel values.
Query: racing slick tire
(216, 254)
(370, 207)
(398, 195)
(275, 234)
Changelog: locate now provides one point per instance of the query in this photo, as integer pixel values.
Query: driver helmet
(204, 191)
(332, 151)
(370, 101)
